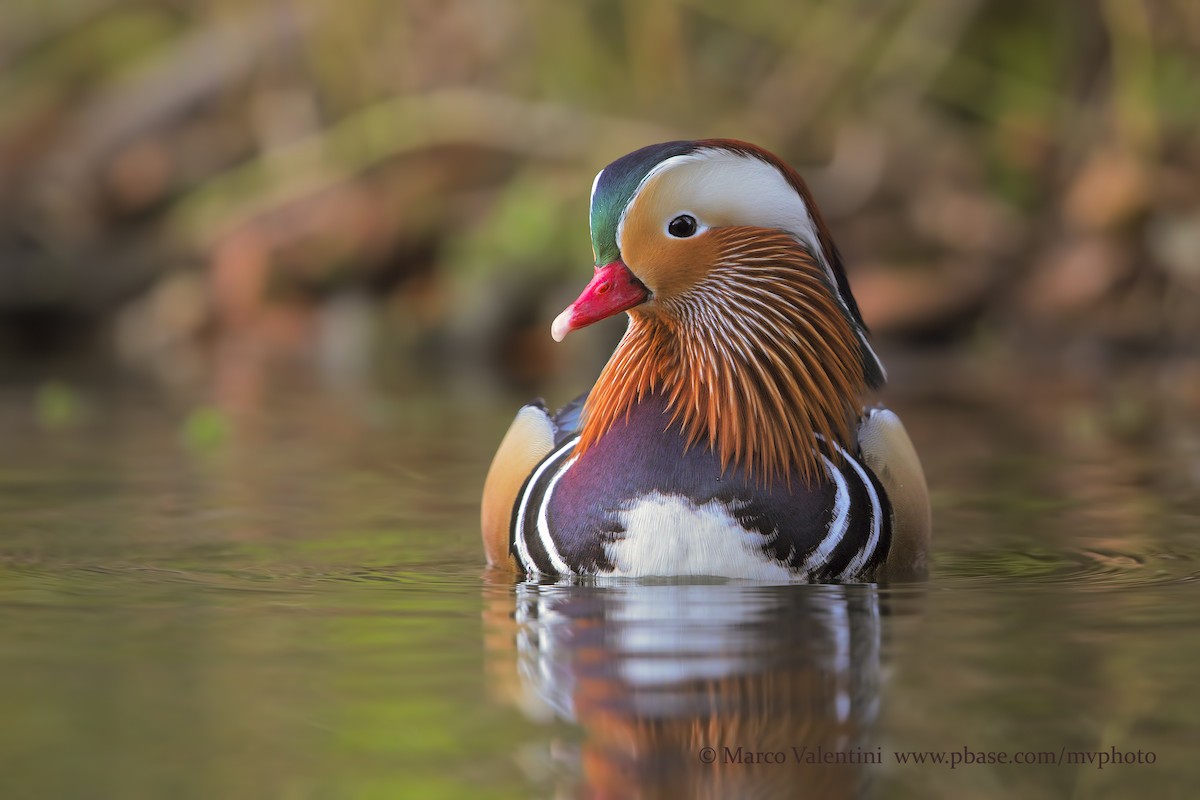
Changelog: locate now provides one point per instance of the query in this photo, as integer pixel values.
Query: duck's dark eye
(682, 226)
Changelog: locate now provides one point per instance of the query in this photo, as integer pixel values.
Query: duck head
(740, 311)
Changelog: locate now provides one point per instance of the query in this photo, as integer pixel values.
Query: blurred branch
(198, 69)
(1133, 73)
(401, 125)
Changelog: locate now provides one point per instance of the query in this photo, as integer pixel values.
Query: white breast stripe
(868, 549)
(519, 527)
(543, 523)
(837, 527)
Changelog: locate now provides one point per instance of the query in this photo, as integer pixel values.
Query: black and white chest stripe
(851, 537)
(533, 541)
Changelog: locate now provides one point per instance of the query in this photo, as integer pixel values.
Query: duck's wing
(889, 453)
(569, 419)
(529, 439)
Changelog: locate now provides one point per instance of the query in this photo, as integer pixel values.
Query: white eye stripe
(658, 168)
(592, 196)
(592, 209)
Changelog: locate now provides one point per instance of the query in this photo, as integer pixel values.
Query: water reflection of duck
(654, 674)
(725, 436)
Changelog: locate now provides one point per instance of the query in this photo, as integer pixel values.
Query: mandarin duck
(725, 437)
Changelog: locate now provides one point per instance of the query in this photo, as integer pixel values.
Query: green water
(268, 584)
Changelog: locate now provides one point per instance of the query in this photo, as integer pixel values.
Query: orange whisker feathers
(755, 361)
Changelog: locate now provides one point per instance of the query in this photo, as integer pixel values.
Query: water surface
(283, 597)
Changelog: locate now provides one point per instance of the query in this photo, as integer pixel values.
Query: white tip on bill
(562, 324)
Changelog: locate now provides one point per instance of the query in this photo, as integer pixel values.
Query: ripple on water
(34, 583)
(1084, 569)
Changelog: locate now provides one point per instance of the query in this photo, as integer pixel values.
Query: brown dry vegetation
(172, 173)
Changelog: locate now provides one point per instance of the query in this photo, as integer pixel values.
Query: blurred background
(274, 277)
(365, 181)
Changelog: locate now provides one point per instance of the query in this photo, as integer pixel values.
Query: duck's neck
(758, 361)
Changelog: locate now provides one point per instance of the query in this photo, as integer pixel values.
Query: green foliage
(205, 429)
(58, 406)
(525, 230)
